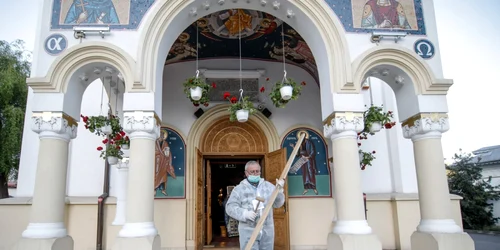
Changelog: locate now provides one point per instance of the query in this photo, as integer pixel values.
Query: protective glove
(250, 215)
(280, 184)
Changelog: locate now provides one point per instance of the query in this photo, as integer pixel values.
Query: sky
(468, 40)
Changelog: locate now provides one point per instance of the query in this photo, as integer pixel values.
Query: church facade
(127, 60)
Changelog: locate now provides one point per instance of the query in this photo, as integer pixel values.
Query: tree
(14, 69)
(465, 179)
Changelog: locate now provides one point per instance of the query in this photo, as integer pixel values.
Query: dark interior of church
(225, 173)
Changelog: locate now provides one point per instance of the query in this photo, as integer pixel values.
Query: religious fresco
(117, 14)
(381, 15)
(309, 175)
(170, 162)
(260, 39)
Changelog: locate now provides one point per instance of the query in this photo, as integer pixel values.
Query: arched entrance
(213, 134)
(311, 19)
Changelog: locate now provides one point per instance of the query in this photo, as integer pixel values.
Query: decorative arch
(424, 80)
(194, 141)
(62, 69)
(235, 137)
(314, 20)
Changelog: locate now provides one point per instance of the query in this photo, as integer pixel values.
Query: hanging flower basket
(197, 90)
(101, 125)
(375, 127)
(239, 110)
(112, 160)
(115, 137)
(242, 115)
(283, 92)
(374, 117)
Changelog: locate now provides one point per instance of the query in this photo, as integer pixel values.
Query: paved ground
(486, 242)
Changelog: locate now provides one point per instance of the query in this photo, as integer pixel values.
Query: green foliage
(366, 158)
(275, 94)
(14, 69)
(465, 179)
(371, 115)
(194, 82)
(377, 114)
(114, 141)
(243, 104)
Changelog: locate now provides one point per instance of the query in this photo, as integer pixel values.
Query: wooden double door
(273, 164)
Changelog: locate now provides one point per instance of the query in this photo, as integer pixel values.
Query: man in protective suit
(242, 204)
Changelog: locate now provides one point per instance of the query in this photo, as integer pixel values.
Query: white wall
(393, 169)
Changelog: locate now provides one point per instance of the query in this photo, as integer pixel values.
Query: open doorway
(222, 177)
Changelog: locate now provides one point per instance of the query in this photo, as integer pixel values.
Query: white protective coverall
(242, 201)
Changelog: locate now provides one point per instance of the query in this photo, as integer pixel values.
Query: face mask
(253, 178)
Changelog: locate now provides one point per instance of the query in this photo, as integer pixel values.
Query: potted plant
(102, 125)
(240, 110)
(122, 140)
(366, 158)
(112, 153)
(375, 117)
(284, 91)
(197, 90)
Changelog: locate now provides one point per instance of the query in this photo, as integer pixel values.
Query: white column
(435, 206)
(351, 225)
(343, 130)
(55, 130)
(437, 229)
(121, 192)
(139, 231)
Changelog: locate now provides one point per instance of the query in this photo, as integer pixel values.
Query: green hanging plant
(192, 83)
(244, 104)
(277, 97)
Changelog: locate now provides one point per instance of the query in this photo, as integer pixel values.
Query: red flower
(374, 152)
(262, 89)
(118, 147)
(122, 133)
(388, 125)
(267, 79)
(213, 85)
(104, 141)
(126, 138)
(359, 144)
(363, 167)
(117, 137)
(205, 104)
(86, 126)
(99, 148)
(226, 95)
(233, 99)
(303, 83)
(389, 112)
(196, 104)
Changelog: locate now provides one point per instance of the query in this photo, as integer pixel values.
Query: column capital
(340, 122)
(142, 124)
(54, 124)
(432, 124)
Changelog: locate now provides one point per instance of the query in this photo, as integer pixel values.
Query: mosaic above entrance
(355, 15)
(117, 14)
(383, 15)
(261, 39)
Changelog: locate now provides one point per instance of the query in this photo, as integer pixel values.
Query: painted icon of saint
(163, 163)
(92, 12)
(307, 151)
(384, 14)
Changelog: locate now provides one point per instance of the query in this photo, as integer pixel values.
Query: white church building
(182, 155)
